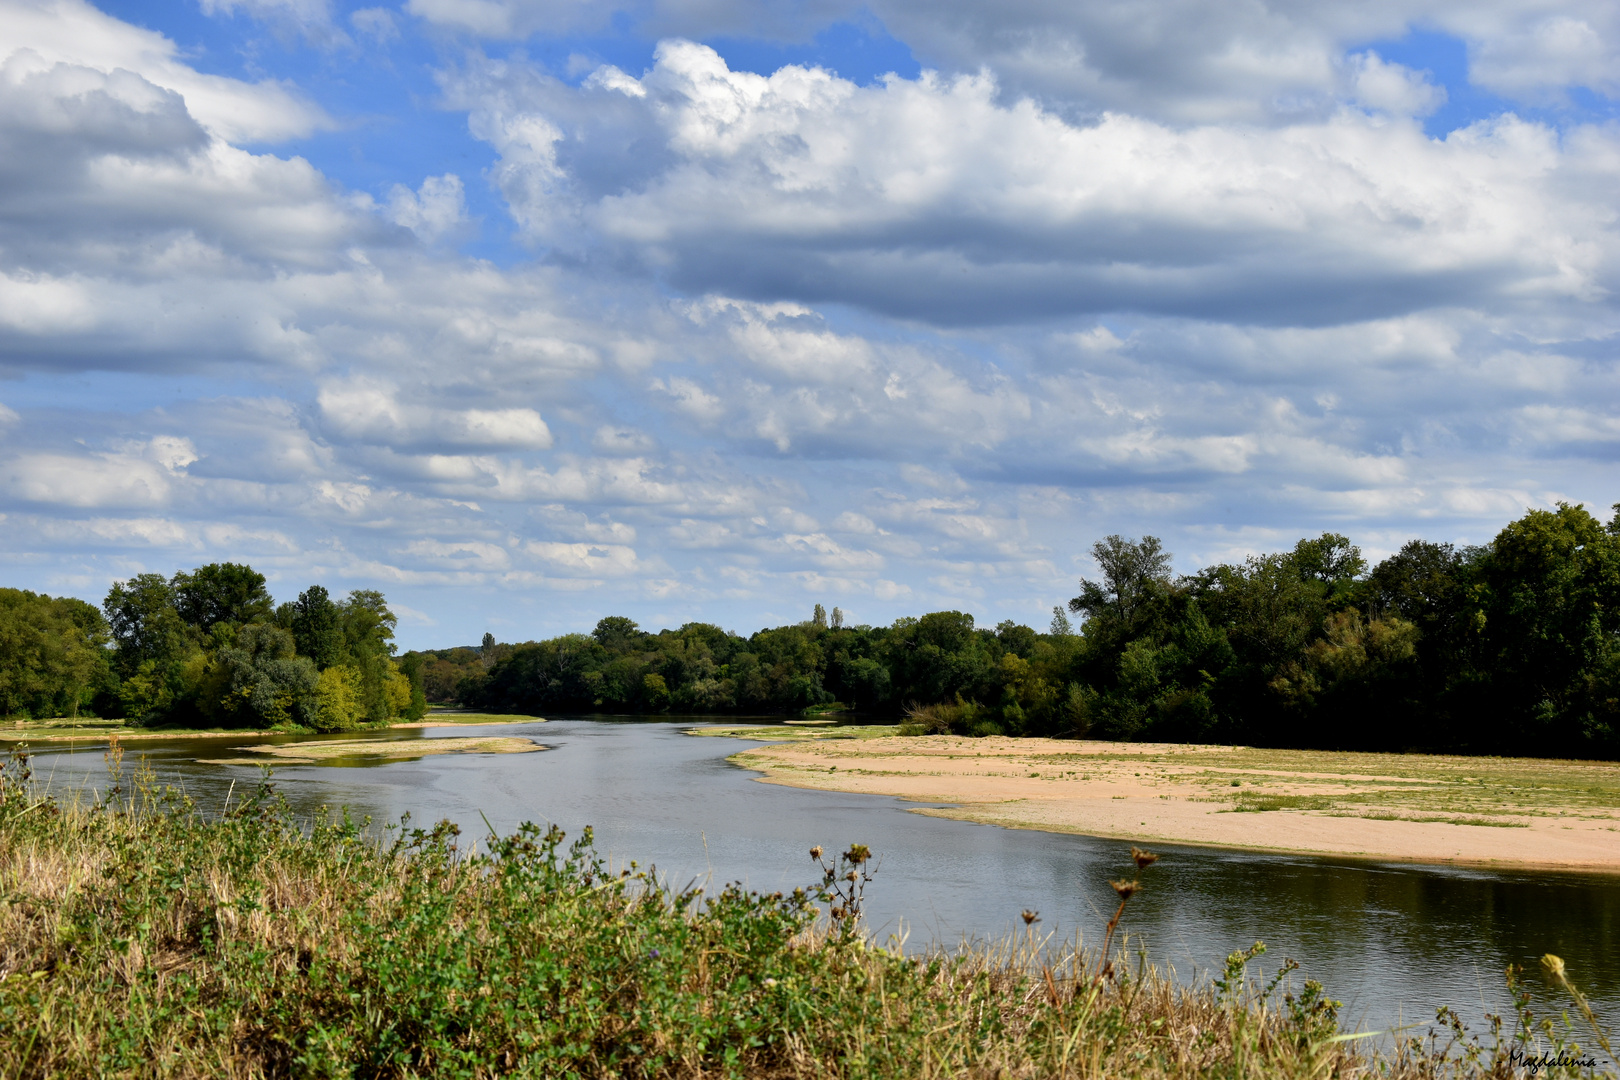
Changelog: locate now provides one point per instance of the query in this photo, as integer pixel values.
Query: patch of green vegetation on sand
(797, 733)
(461, 718)
(1418, 787)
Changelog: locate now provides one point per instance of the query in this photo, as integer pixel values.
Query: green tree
(1549, 597)
(1017, 638)
(144, 622)
(317, 627)
(368, 638)
(221, 593)
(411, 665)
(940, 656)
(259, 681)
(654, 692)
(616, 632)
(339, 702)
(52, 657)
(1133, 574)
(1331, 561)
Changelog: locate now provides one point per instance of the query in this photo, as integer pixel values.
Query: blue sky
(529, 312)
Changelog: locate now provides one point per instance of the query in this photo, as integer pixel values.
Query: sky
(527, 312)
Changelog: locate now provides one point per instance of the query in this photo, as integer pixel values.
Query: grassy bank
(141, 938)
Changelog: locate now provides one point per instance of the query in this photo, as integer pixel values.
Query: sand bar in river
(1503, 812)
(373, 751)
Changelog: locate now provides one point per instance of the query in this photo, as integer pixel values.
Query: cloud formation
(931, 200)
(763, 340)
(1183, 61)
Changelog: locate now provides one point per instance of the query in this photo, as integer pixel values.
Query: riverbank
(1498, 812)
(144, 939)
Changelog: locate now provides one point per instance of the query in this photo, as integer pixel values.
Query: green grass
(1256, 803)
(1488, 822)
(784, 733)
(141, 938)
(1417, 784)
(453, 717)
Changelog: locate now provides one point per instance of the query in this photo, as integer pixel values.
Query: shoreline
(1501, 814)
(1593, 869)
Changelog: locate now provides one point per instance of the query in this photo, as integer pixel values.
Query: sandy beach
(1498, 812)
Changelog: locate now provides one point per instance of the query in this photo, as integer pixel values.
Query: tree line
(206, 647)
(1507, 647)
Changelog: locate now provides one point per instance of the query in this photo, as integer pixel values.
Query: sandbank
(372, 751)
(1479, 811)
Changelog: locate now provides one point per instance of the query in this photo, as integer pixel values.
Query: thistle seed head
(1126, 889)
(1144, 859)
(1031, 917)
(815, 852)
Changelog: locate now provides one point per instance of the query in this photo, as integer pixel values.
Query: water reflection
(1391, 941)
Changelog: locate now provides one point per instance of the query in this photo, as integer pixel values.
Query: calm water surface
(1392, 941)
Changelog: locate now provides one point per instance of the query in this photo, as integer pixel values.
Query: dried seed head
(1554, 966)
(1031, 917)
(858, 853)
(850, 876)
(1144, 859)
(815, 852)
(1126, 889)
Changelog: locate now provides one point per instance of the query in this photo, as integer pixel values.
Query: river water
(1392, 941)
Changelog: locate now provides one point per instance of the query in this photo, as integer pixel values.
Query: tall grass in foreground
(140, 938)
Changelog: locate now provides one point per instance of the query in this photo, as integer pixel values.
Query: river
(1392, 941)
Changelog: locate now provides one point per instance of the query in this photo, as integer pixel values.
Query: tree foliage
(1509, 647)
(52, 656)
(205, 646)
